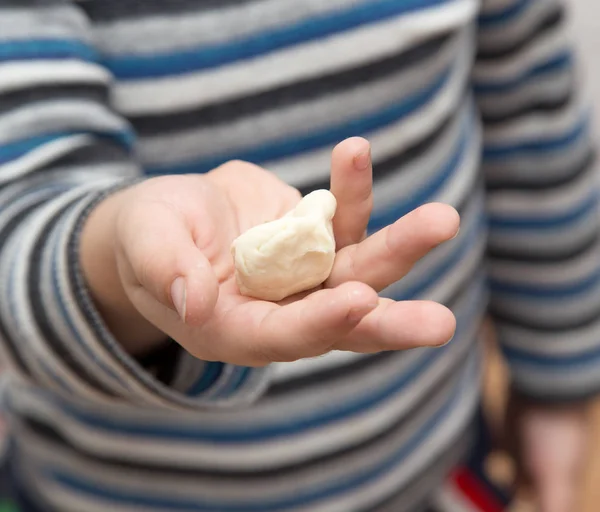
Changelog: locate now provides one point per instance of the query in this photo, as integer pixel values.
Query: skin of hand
(549, 444)
(157, 261)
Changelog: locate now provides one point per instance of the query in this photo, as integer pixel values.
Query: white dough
(289, 255)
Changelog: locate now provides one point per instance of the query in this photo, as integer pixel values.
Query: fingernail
(179, 296)
(455, 234)
(362, 161)
(446, 342)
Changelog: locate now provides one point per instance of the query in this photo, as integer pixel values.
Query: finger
(352, 186)
(400, 326)
(306, 328)
(165, 266)
(388, 255)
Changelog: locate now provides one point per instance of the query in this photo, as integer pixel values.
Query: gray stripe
(173, 30)
(53, 117)
(301, 118)
(61, 22)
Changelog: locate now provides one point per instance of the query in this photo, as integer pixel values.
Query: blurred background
(585, 21)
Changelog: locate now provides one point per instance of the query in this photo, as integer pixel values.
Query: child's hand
(171, 238)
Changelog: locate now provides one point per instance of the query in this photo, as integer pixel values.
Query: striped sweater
(470, 102)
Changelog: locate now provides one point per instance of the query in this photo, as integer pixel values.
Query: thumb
(167, 278)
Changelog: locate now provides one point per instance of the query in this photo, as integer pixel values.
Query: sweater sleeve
(542, 179)
(62, 150)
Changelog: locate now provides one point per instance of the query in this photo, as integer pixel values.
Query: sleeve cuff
(122, 377)
(554, 367)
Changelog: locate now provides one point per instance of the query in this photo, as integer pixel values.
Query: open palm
(175, 249)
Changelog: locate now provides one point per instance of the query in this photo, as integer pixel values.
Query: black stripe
(533, 184)
(30, 3)
(449, 380)
(538, 106)
(543, 25)
(43, 94)
(562, 254)
(554, 400)
(113, 10)
(52, 338)
(101, 151)
(394, 163)
(228, 111)
(551, 326)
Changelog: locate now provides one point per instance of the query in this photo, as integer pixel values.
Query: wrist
(97, 253)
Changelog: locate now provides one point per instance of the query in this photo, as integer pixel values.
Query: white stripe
(61, 21)
(25, 74)
(514, 66)
(450, 499)
(544, 203)
(300, 118)
(554, 344)
(544, 274)
(244, 491)
(26, 327)
(51, 117)
(438, 441)
(542, 166)
(537, 126)
(42, 156)
(265, 454)
(553, 86)
(549, 311)
(547, 242)
(291, 64)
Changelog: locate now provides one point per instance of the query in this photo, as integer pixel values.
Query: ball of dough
(289, 255)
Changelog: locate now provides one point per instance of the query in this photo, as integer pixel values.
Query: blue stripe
(212, 371)
(564, 361)
(396, 458)
(547, 292)
(133, 67)
(235, 434)
(292, 146)
(560, 143)
(14, 150)
(560, 62)
(239, 375)
(46, 49)
(511, 12)
(585, 207)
